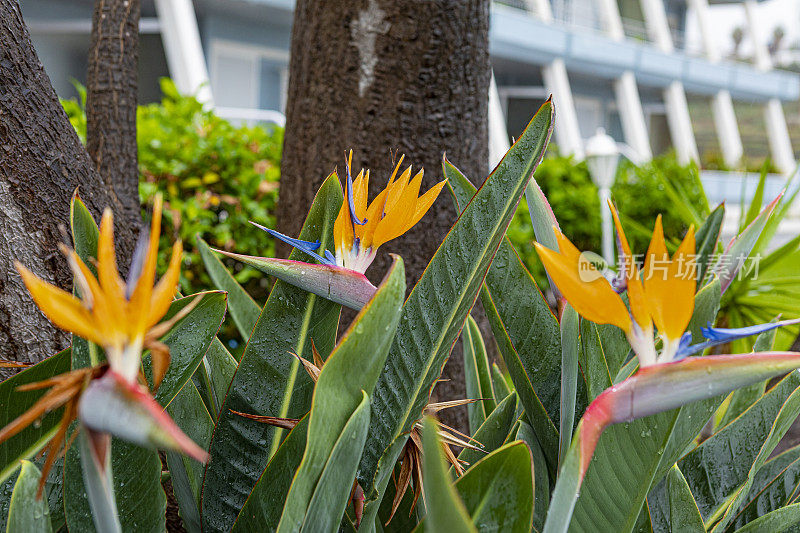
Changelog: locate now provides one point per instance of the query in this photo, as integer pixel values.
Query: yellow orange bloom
(115, 314)
(360, 228)
(665, 295)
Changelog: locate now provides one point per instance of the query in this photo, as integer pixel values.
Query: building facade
(623, 65)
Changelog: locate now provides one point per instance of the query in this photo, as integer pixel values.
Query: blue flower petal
(718, 336)
(306, 247)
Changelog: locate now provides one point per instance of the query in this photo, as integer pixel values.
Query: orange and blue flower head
(662, 294)
(361, 228)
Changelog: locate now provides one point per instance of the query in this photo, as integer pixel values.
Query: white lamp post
(602, 158)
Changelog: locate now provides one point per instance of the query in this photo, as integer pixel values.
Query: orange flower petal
(594, 299)
(107, 272)
(636, 295)
(61, 307)
(167, 285)
(670, 283)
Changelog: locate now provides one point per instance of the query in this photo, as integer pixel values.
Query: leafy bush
(215, 177)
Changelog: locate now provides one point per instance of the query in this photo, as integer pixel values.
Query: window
(245, 76)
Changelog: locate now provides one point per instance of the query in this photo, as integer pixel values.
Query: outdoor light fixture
(602, 158)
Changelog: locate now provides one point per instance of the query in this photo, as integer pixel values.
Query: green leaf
(29, 441)
(740, 247)
(569, 377)
(684, 515)
(338, 284)
(27, 512)
(269, 380)
(188, 341)
(351, 371)
(263, 507)
(741, 399)
(774, 486)
(498, 490)
(755, 202)
(493, 432)
(777, 521)
(541, 481)
(534, 410)
(140, 500)
(725, 464)
(476, 375)
(706, 240)
(244, 310)
(525, 328)
(434, 312)
(217, 371)
(327, 505)
(85, 233)
(446, 511)
(499, 383)
(189, 412)
(603, 351)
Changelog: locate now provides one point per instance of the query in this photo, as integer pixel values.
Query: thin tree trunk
(41, 163)
(410, 76)
(111, 98)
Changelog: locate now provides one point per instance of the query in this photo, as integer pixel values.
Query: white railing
(252, 115)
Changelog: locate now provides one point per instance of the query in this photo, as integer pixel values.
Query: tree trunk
(41, 163)
(111, 98)
(381, 76)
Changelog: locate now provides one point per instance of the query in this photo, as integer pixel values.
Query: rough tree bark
(111, 99)
(381, 75)
(41, 163)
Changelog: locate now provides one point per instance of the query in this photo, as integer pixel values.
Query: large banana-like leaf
(263, 507)
(717, 468)
(775, 485)
(786, 416)
(525, 328)
(446, 511)
(434, 312)
(332, 492)
(476, 374)
(27, 512)
(603, 352)
(777, 521)
(351, 371)
(243, 309)
(498, 490)
(216, 374)
(189, 412)
(269, 380)
(683, 512)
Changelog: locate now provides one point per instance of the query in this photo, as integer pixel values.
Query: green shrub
(215, 177)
